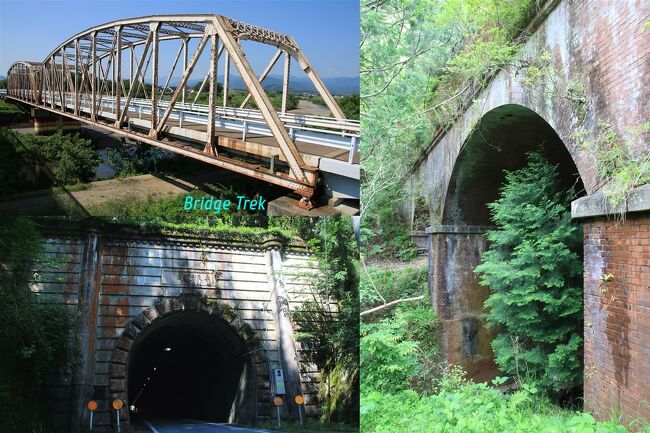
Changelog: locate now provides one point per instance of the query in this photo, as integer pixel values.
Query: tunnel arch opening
(187, 364)
(185, 358)
(499, 142)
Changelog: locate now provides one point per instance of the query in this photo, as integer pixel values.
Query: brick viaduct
(600, 51)
(211, 312)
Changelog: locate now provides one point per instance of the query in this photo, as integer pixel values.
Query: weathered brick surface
(617, 316)
(458, 299)
(602, 47)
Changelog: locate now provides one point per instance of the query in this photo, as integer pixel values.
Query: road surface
(191, 426)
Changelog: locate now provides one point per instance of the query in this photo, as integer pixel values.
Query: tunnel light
(154, 369)
(167, 349)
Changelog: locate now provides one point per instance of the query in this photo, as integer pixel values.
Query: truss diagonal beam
(186, 76)
(83, 78)
(138, 69)
(289, 149)
(264, 74)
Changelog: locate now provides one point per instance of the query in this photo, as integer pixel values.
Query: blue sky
(326, 30)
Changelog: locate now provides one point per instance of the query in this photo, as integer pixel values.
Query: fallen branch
(390, 304)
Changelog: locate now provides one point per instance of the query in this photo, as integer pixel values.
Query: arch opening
(189, 364)
(500, 142)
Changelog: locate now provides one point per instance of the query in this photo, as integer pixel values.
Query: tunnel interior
(501, 141)
(186, 365)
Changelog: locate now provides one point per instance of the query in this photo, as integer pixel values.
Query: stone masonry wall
(458, 298)
(106, 280)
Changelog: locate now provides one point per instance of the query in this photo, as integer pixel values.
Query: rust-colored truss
(86, 70)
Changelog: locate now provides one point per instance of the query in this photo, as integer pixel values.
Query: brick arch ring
(163, 307)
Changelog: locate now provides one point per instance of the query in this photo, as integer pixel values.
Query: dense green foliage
(535, 275)
(475, 408)
(350, 105)
(421, 60)
(9, 108)
(34, 336)
(399, 350)
(71, 158)
(335, 334)
(387, 234)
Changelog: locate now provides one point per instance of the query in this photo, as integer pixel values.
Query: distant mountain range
(273, 83)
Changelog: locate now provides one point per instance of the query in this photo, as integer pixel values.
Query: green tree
(334, 333)
(73, 158)
(350, 105)
(535, 273)
(76, 158)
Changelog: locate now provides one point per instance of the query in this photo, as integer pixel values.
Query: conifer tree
(534, 270)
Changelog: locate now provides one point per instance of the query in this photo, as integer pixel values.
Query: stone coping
(128, 233)
(596, 204)
(457, 229)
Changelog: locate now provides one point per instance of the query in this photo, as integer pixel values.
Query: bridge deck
(189, 125)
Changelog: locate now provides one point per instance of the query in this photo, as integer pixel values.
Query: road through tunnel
(500, 142)
(189, 364)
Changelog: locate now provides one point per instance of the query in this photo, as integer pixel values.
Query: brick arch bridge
(164, 319)
(596, 79)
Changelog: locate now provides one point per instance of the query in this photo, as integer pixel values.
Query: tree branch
(390, 304)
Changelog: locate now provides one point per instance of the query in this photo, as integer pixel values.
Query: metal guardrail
(319, 130)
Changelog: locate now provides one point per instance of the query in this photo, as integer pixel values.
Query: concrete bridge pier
(457, 297)
(46, 122)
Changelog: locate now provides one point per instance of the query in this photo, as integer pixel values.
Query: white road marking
(153, 429)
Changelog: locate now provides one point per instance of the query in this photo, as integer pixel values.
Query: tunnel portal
(187, 364)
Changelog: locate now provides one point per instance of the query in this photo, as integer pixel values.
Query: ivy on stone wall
(35, 337)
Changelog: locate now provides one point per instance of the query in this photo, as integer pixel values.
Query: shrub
(76, 158)
(73, 158)
(474, 408)
(535, 274)
(399, 350)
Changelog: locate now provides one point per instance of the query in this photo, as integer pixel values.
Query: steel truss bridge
(86, 78)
